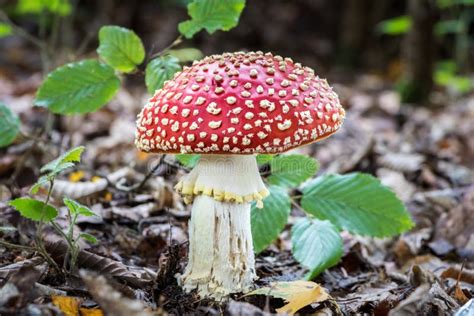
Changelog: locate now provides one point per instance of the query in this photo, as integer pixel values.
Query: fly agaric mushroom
(228, 108)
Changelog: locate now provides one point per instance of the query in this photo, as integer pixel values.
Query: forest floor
(425, 155)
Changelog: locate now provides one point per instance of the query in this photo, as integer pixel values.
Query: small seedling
(43, 213)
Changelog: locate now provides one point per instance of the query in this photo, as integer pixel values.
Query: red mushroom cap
(239, 103)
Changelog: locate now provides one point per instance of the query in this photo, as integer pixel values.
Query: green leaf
(9, 125)
(396, 26)
(448, 27)
(78, 208)
(88, 237)
(5, 30)
(79, 87)
(43, 180)
(66, 160)
(34, 209)
(211, 15)
(159, 70)
(186, 55)
(292, 170)
(120, 47)
(269, 221)
(317, 245)
(59, 7)
(264, 158)
(188, 160)
(358, 203)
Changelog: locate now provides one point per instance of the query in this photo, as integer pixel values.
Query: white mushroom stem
(221, 258)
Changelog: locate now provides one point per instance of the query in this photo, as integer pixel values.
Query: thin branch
(18, 30)
(10, 245)
(162, 52)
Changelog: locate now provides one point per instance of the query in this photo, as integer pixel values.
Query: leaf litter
(424, 155)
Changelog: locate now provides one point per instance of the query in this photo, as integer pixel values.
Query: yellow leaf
(67, 304)
(76, 176)
(108, 196)
(297, 294)
(91, 312)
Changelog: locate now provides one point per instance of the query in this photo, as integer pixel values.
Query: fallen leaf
(297, 294)
(76, 176)
(67, 304)
(91, 311)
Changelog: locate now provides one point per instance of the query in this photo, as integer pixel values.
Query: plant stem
(10, 245)
(21, 32)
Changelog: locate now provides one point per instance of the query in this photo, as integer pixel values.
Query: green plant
(43, 213)
(356, 202)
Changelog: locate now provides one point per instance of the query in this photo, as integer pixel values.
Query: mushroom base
(221, 258)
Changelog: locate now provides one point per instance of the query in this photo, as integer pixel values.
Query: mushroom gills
(221, 258)
(228, 178)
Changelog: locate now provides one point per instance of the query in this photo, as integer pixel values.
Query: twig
(162, 52)
(145, 179)
(21, 32)
(10, 245)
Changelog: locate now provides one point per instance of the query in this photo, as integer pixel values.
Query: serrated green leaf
(5, 30)
(9, 125)
(188, 160)
(159, 70)
(395, 26)
(292, 170)
(358, 203)
(34, 209)
(43, 180)
(269, 221)
(317, 245)
(88, 237)
(211, 15)
(66, 160)
(120, 47)
(59, 7)
(264, 158)
(79, 87)
(77, 208)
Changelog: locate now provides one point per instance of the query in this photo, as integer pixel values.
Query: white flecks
(276, 141)
(253, 73)
(164, 108)
(214, 137)
(187, 99)
(282, 93)
(293, 102)
(234, 120)
(225, 140)
(185, 112)
(245, 141)
(247, 126)
(202, 134)
(190, 137)
(195, 87)
(335, 116)
(249, 104)
(265, 104)
(194, 126)
(200, 100)
(164, 121)
(249, 115)
(213, 109)
(258, 123)
(175, 126)
(195, 112)
(245, 94)
(259, 89)
(215, 124)
(271, 91)
(285, 125)
(262, 135)
(230, 130)
(237, 110)
(308, 100)
(231, 100)
(248, 86)
(233, 83)
(285, 108)
(200, 78)
(270, 81)
(219, 90)
(174, 110)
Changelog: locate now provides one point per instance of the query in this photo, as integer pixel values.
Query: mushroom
(228, 108)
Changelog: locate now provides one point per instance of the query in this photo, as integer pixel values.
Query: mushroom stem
(221, 259)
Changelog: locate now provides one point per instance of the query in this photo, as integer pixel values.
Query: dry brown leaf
(455, 273)
(297, 294)
(111, 301)
(67, 304)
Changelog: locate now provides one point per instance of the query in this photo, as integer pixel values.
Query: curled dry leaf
(111, 301)
(401, 162)
(135, 276)
(77, 190)
(297, 294)
(7, 271)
